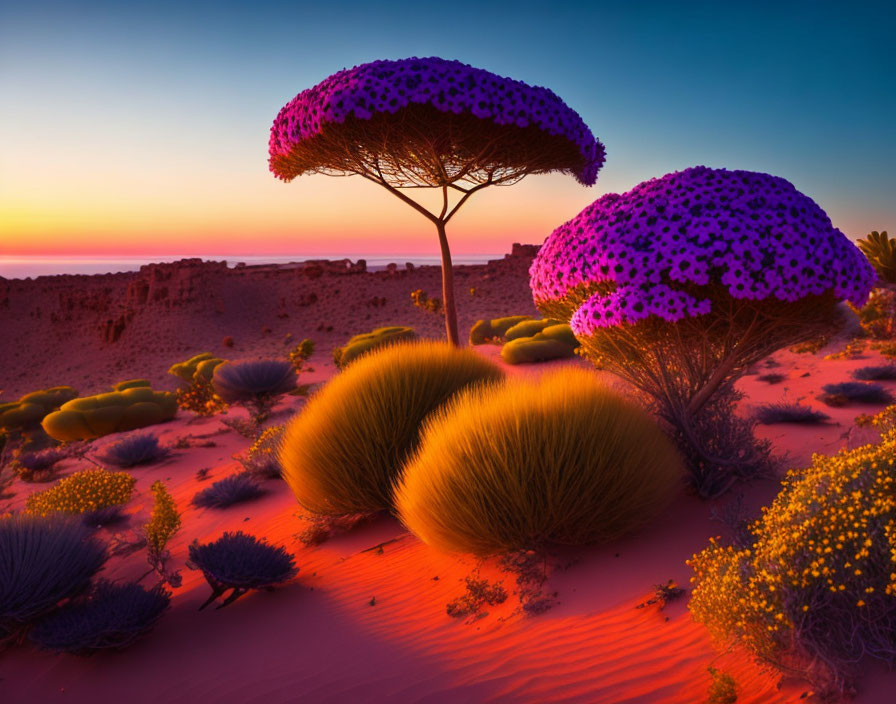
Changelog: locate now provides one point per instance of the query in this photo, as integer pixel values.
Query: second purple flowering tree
(681, 284)
(431, 123)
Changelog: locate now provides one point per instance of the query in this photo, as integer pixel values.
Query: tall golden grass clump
(563, 459)
(344, 451)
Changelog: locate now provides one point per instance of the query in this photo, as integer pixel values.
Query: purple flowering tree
(679, 285)
(431, 123)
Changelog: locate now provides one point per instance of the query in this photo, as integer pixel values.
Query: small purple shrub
(101, 517)
(244, 382)
(789, 413)
(771, 378)
(134, 450)
(113, 616)
(262, 466)
(41, 460)
(240, 562)
(255, 385)
(858, 392)
(38, 466)
(884, 372)
(226, 492)
(43, 560)
(722, 448)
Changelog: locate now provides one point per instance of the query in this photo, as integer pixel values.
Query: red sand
(319, 639)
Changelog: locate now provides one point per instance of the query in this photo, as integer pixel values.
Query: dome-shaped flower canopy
(655, 249)
(430, 121)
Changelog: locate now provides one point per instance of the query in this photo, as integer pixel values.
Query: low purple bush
(774, 413)
(39, 466)
(240, 562)
(113, 616)
(43, 560)
(42, 460)
(226, 492)
(858, 392)
(134, 450)
(884, 372)
(105, 516)
(244, 382)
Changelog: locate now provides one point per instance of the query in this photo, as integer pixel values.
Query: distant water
(14, 267)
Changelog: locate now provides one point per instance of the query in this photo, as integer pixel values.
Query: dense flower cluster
(82, 492)
(448, 86)
(819, 580)
(647, 252)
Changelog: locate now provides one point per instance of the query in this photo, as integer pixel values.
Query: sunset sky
(133, 128)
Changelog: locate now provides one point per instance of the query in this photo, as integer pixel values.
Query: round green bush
(112, 412)
(485, 331)
(563, 459)
(365, 342)
(538, 348)
(343, 452)
(528, 328)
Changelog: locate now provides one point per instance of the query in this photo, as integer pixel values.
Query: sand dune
(364, 625)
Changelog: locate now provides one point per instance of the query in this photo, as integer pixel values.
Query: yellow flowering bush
(815, 592)
(84, 491)
(262, 459)
(812, 346)
(268, 443)
(300, 354)
(164, 520)
(884, 420)
(200, 397)
(853, 350)
(887, 349)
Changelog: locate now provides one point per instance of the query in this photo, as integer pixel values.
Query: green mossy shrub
(114, 412)
(522, 465)
(486, 331)
(562, 332)
(201, 366)
(343, 452)
(27, 413)
(365, 342)
(529, 350)
(528, 328)
(131, 384)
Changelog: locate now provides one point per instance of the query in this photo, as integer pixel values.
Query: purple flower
(448, 86)
(752, 233)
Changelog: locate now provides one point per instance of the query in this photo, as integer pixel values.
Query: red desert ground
(365, 618)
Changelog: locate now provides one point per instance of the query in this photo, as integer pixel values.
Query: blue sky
(144, 125)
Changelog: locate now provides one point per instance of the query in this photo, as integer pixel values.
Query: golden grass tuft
(343, 452)
(563, 459)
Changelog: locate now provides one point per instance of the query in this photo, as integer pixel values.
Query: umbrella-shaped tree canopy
(658, 249)
(679, 285)
(429, 122)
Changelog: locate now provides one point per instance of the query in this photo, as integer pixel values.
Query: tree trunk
(448, 287)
